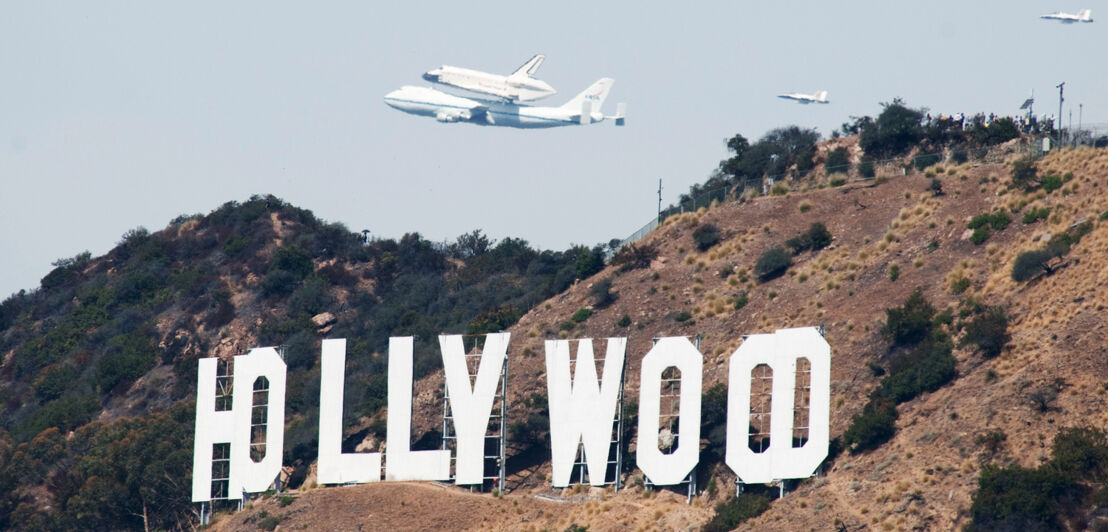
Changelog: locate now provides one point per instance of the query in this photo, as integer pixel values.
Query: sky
(115, 115)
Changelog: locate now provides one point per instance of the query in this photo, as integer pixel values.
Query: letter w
(582, 410)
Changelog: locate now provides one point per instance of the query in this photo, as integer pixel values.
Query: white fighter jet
(581, 110)
(1085, 15)
(518, 86)
(819, 97)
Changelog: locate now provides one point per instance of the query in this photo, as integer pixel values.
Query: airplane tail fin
(529, 68)
(595, 95)
(821, 96)
(1086, 15)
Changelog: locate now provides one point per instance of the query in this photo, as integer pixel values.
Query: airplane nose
(430, 77)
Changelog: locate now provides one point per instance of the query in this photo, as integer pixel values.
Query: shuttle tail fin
(529, 68)
(596, 94)
(821, 96)
(1086, 15)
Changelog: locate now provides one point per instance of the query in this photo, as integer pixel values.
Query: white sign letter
(582, 409)
(234, 427)
(401, 462)
(780, 351)
(336, 467)
(669, 469)
(254, 477)
(212, 427)
(471, 405)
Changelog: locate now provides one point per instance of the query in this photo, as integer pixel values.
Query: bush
(838, 161)
(1025, 174)
(581, 315)
(772, 264)
(1017, 498)
(922, 161)
(1051, 182)
(924, 369)
(959, 286)
(741, 300)
(988, 331)
(633, 257)
(732, 513)
(866, 169)
(874, 426)
(1035, 215)
(1030, 263)
(682, 316)
(816, 237)
(601, 293)
(911, 322)
(624, 321)
(894, 272)
(980, 235)
(706, 236)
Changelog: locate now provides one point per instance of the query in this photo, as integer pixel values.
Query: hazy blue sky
(120, 114)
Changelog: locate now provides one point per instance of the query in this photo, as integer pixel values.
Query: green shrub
(837, 181)
(624, 321)
(581, 315)
(988, 331)
(959, 156)
(706, 236)
(634, 256)
(1017, 498)
(1025, 174)
(980, 235)
(779, 190)
(1051, 182)
(922, 161)
(874, 426)
(741, 300)
(1035, 215)
(682, 316)
(866, 169)
(959, 286)
(926, 368)
(909, 323)
(601, 293)
(816, 237)
(936, 186)
(732, 513)
(894, 272)
(838, 161)
(1030, 263)
(772, 264)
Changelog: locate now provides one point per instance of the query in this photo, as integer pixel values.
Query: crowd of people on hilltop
(1027, 124)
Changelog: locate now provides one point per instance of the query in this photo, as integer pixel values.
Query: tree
(1025, 174)
(988, 331)
(896, 131)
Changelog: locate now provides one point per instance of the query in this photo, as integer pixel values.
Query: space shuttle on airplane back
(1085, 15)
(519, 86)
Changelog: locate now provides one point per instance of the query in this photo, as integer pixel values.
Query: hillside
(926, 475)
(108, 345)
(99, 364)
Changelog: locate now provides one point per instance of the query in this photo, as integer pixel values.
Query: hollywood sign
(582, 409)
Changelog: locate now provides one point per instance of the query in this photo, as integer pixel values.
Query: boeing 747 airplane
(819, 97)
(1085, 15)
(517, 86)
(581, 110)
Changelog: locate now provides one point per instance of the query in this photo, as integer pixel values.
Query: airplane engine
(452, 116)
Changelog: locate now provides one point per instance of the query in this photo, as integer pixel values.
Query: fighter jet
(517, 86)
(819, 97)
(581, 110)
(1085, 15)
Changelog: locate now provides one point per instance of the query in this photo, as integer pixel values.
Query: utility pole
(1061, 87)
(659, 200)
(1080, 113)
